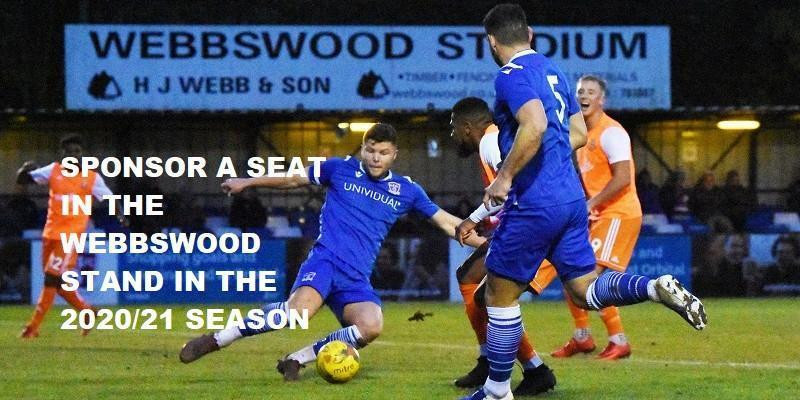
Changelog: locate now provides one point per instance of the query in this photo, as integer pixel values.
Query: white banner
(210, 67)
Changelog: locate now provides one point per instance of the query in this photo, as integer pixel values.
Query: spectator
(15, 281)
(648, 193)
(463, 208)
(387, 275)
(428, 275)
(674, 195)
(22, 210)
(739, 200)
(793, 197)
(706, 199)
(247, 211)
(735, 275)
(782, 278)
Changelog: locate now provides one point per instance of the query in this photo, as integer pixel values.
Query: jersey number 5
(553, 81)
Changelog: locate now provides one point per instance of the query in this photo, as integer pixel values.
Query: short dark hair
(72, 138)
(472, 109)
(381, 132)
(507, 23)
(594, 78)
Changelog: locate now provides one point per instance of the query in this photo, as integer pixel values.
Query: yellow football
(337, 362)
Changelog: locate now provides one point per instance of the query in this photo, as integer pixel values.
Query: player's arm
(620, 178)
(616, 145)
(577, 131)
(236, 185)
(448, 223)
(23, 173)
(532, 125)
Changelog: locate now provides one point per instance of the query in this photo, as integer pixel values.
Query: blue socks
(502, 341)
(349, 335)
(617, 289)
(247, 331)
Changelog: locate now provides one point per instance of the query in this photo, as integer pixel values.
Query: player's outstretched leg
(618, 289)
(204, 344)
(469, 275)
(304, 298)
(673, 295)
(366, 319)
(46, 298)
(618, 345)
(581, 340)
(76, 301)
(290, 365)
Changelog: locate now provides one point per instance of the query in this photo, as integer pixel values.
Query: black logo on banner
(372, 86)
(104, 87)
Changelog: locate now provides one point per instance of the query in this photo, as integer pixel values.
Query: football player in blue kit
(545, 211)
(363, 201)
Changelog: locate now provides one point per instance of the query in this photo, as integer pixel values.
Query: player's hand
(464, 230)
(592, 210)
(234, 185)
(28, 166)
(497, 193)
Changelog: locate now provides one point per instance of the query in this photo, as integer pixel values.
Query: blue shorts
(526, 237)
(338, 283)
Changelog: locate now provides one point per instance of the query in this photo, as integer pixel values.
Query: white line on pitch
(730, 364)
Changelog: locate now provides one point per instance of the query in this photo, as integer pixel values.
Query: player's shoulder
(403, 179)
(523, 67)
(407, 181)
(610, 125)
(348, 161)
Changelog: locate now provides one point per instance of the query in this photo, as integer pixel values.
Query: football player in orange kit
(607, 170)
(55, 260)
(474, 131)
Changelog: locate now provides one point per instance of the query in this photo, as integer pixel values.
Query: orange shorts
(54, 260)
(612, 239)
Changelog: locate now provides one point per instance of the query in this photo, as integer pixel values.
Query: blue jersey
(549, 178)
(359, 210)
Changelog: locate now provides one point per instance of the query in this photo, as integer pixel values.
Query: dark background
(728, 53)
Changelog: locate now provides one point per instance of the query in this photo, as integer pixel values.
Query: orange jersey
(55, 260)
(61, 186)
(608, 143)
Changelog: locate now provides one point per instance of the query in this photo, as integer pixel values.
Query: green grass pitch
(750, 350)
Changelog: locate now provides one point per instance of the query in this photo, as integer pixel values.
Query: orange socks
(46, 299)
(74, 299)
(478, 319)
(42, 307)
(579, 315)
(526, 351)
(610, 316)
(477, 316)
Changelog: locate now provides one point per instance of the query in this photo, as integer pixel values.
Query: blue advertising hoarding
(271, 256)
